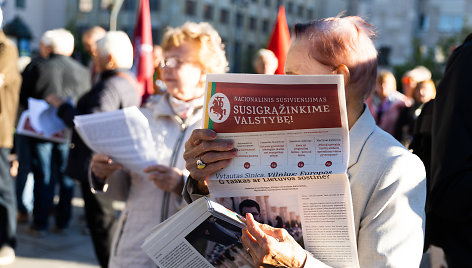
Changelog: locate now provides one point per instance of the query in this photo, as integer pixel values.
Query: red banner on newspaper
(243, 107)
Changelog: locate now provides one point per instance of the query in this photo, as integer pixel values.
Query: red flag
(142, 44)
(279, 42)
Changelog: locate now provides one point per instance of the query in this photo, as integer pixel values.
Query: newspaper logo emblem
(219, 108)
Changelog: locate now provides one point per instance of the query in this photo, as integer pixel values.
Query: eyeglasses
(174, 62)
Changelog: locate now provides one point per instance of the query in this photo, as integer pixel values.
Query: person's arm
(169, 179)
(108, 177)
(391, 230)
(49, 80)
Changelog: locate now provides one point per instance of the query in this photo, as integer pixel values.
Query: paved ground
(71, 250)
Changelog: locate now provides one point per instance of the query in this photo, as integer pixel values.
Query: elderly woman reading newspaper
(190, 52)
(387, 182)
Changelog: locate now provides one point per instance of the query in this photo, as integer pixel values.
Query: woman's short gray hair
(117, 45)
(60, 41)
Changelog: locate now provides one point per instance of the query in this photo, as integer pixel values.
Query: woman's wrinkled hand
(271, 247)
(54, 100)
(216, 154)
(103, 166)
(166, 178)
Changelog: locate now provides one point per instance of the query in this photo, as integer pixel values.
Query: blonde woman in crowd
(190, 52)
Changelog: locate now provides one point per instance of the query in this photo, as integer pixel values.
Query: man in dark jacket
(449, 203)
(61, 75)
(9, 90)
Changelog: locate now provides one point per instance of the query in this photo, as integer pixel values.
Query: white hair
(1, 17)
(60, 41)
(47, 37)
(117, 45)
(419, 74)
(265, 53)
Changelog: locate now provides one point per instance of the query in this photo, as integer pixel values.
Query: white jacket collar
(163, 108)
(359, 134)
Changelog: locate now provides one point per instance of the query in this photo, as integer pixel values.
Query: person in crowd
(251, 206)
(10, 81)
(61, 75)
(157, 57)
(115, 89)
(265, 62)
(405, 125)
(412, 77)
(387, 181)
(190, 52)
(23, 143)
(386, 103)
(449, 216)
(89, 41)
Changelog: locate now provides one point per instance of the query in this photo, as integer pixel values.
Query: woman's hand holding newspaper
(205, 155)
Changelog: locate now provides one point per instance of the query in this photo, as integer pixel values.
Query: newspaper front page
(291, 134)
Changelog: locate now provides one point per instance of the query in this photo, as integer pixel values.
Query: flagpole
(114, 14)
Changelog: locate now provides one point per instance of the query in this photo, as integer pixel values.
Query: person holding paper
(115, 89)
(155, 193)
(387, 182)
(62, 75)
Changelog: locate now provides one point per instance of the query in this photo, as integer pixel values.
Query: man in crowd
(22, 142)
(59, 74)
(9, 91)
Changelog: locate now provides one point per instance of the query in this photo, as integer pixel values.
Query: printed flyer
(291, 135)
(281, 125)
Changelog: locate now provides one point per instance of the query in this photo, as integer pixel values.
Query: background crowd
(438, 131)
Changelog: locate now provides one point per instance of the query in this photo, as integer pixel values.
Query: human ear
(111, 65)
(342, 69)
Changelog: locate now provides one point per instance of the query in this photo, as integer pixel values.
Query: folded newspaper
(291, 133)
(41, 121)
(124, 135)
(198, 236)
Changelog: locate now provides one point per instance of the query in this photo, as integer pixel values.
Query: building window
(237, 56)
(267, 3)
(279, 3)
(289, 7)
(154, 5)
(384, 56)
(208, 12)
(239, 20)
(450, 23)
(252, 23)
(224, 16)
(300, 11)
(265, 26)
(84, 5)
(129, 5)
(423, 23)
(156, 34)
(310, 14)
(20, 3)
(190, 7)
